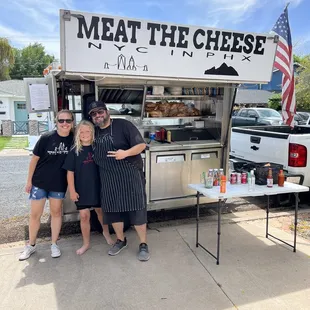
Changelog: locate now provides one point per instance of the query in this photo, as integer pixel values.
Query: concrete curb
(14, 152)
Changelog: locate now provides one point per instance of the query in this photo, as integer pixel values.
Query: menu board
(39, 97)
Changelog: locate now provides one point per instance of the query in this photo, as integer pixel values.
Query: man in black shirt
(117, 148)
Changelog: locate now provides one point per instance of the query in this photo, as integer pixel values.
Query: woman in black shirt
(47, 180)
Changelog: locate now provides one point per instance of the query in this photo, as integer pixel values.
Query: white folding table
(234, 191)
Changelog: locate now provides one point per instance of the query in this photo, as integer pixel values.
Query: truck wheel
(96, 226)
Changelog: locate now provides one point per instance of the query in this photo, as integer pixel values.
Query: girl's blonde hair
(77, 142)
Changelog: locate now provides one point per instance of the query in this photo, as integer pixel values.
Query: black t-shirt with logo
(86, 176)
(52, 150)
(125, 135)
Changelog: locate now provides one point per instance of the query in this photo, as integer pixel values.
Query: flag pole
(287, 4)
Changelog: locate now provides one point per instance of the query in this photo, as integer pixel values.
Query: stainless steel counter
(170, 167)
(201, 144)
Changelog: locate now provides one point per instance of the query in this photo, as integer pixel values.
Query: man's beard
(102, 122)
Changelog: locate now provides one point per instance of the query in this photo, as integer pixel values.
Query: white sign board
(39, 97)
(40, 94)
(109, 45)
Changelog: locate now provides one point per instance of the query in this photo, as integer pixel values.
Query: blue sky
(28, 21)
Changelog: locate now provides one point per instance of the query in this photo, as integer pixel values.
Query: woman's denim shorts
(37, 193)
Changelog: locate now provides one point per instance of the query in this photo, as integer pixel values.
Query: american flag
(284, 62)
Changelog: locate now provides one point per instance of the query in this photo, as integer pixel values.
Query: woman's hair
(64, 112)
(77, 141)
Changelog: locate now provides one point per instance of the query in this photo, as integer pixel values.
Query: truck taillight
(297, 156)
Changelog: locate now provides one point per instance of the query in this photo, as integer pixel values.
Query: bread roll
(156, 114)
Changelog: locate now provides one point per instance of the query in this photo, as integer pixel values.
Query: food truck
(175, 83)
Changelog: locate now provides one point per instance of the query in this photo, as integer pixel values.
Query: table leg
(197, 220)
(295, 224)
(267, 216)
(296, 219)
(219, 211)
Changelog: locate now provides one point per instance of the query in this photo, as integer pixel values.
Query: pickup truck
(256, 117)
(276, 144)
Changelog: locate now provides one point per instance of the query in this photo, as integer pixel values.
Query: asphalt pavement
(13, 175)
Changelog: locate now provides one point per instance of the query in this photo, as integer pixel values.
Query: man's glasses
(68, 121)
(94, 113)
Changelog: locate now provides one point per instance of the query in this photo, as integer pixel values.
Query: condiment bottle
(163, 134)
(215, 177)
(269, 178)
(168, 136)
(281, 178)
(223, 184)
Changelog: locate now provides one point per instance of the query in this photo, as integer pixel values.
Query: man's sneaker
(29, 249)
(118, 246)
(55, 250)
(143, 254)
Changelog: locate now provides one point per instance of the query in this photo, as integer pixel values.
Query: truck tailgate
(260, 146)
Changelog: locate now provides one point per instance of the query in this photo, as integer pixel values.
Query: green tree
(275, 102)
(6, 59)
(302, 60)
(30, 61)
(303, 85)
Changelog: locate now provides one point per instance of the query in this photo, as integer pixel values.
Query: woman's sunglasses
(68, 121)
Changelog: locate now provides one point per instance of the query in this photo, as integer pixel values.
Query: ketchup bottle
(281, 178)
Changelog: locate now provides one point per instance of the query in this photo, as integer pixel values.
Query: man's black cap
(97, 105)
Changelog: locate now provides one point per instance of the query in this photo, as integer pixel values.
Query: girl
(47, 180)
(84, 183)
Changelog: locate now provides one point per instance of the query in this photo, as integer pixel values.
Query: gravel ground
(287, 224)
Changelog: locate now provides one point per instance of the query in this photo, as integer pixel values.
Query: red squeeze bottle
(163, 134)
(281, 178)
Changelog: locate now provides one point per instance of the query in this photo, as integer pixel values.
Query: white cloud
(293, 3)
(221, 11)
(20, 39)
(40, 21)
(301, 45)
(46, 6)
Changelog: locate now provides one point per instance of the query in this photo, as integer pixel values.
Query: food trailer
(176, 83)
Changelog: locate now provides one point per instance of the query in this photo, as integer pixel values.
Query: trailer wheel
(96, 226)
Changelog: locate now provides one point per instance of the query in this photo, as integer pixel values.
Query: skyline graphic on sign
(122, 64)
